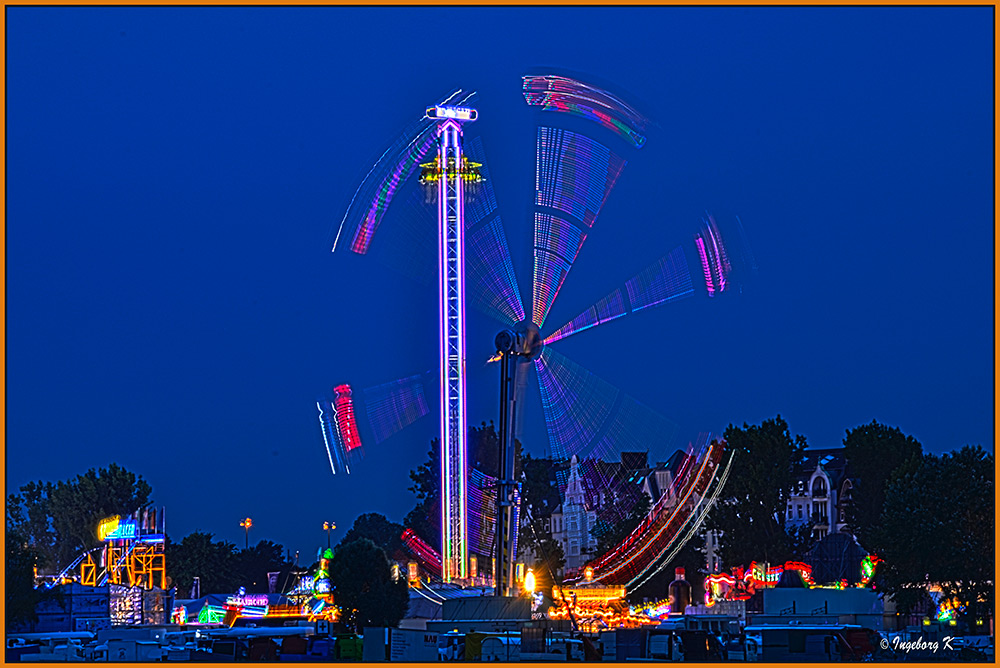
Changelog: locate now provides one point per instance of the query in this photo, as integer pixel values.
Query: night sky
(174, 176)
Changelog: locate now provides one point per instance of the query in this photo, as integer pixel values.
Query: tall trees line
(930, 518)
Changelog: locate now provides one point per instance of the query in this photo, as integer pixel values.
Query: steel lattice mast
(449, 172)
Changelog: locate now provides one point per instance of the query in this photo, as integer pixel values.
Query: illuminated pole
(328, 527)
(246, 524)
(449, 173)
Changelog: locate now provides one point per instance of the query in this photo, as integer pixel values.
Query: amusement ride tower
(448, 174)
(585, 416)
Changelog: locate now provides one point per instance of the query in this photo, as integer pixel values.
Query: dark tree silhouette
(874, 452)
(60, 520)
(751, 517)
(363, 586)
(378, 529)
(937, 527)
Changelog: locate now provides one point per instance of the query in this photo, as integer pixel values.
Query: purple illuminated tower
(449, 173)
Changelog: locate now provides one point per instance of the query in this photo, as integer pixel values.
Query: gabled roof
(831, 460)
(837, 557)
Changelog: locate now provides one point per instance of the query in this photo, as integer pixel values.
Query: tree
(253, 566)
(60, 520)
(751, 517)
(425, 518)
(378, 529)
(874, 451)
(937, 526)
(28, 515)
(364, 588)
(214, 563)
(20, 595)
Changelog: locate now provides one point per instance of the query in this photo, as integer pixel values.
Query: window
(574, 548)
(819, 487)
(799, 506)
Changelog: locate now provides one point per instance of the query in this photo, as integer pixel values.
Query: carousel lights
(868, 565)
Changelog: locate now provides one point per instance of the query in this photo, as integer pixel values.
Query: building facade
(821, 493)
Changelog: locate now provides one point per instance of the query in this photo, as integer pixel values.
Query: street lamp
(328, 527)
(246, 524)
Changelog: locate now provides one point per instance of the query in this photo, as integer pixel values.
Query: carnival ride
(131, 554)
(585, 416)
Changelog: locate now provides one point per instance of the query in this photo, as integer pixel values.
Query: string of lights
(651, 538)
(575, 403)
(490, 273)
(482, 510)
(665, 280)
(405, 166)
(427, 556)
(695, 519)
(492, 285)
(556, 246)
(482, 204)
(396, 164)
(394, 405)
(588, 417)
(562, 94)
(331, 438)
(574, 174)
(605, 310)
(714, 259)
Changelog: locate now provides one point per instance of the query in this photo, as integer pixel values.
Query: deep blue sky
(174, 174)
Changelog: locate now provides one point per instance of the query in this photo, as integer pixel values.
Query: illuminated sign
(458, 113)
(115, 528)
(125, 530)
(589, 594)
(258, 600)
(107, 526)
(211, 614)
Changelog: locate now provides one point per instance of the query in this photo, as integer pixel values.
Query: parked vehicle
(810, 643)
